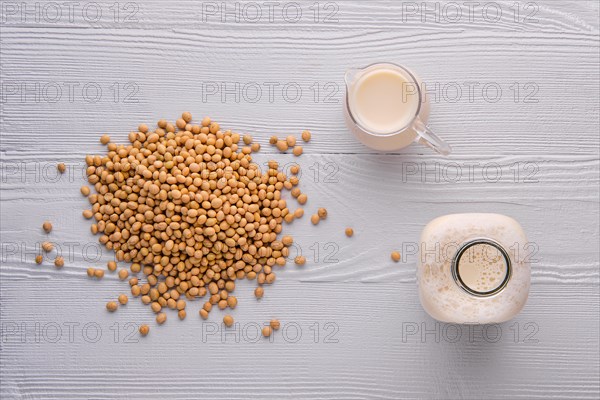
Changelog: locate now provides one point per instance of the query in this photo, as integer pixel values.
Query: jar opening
(481, 267)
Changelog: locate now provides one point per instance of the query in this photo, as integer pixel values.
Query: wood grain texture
(533, 155)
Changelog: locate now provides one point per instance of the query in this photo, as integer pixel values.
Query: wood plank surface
(518, 98)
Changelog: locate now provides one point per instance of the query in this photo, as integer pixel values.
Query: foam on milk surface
(482, 268)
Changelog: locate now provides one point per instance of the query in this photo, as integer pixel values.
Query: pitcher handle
(426, 137)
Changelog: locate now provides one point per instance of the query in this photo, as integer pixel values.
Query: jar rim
(456, 261)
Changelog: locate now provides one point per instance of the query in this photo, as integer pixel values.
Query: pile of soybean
(187, 207)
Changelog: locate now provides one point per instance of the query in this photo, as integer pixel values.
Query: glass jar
(473, 268)
(389, 92)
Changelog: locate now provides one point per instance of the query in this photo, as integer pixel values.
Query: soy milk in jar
(473, 268)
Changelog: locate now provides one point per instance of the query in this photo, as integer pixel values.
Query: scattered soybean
(47, 226)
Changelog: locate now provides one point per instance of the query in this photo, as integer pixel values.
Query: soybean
(259, 292)
(232, 302)
(144, 329)
(282, 145)
(302, 199)
(275, 324)
(123, 274)
(135, 291)
(123, 299)
(204, 314)
(322, 213)
(266, 331)
(47, 226)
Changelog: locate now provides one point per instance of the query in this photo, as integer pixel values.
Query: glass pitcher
(412, 108)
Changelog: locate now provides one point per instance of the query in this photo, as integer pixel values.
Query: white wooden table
(515, 93)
